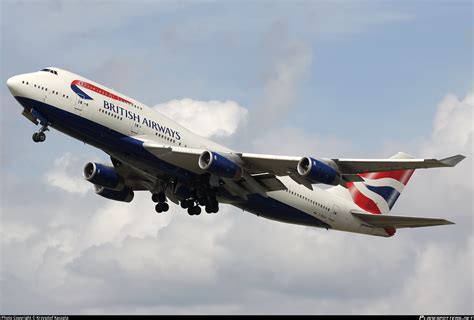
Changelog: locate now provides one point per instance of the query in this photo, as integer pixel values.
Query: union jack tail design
(380, 190)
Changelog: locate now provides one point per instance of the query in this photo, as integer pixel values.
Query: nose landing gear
(40, 136)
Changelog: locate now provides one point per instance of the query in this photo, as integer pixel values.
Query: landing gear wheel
(197, 210)
(190, 211)
(162, 207)
(41, 136)
(161, 197)
(185, 204)
(154, 197)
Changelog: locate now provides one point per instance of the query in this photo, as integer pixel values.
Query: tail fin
(380, 190)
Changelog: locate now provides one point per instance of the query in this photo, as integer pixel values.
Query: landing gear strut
(40, 136)
(161, 206)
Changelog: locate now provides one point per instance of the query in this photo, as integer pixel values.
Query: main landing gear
(161, 205)
(40, 136)
(193, 206)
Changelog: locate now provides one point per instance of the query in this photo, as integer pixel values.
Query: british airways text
(136, 117)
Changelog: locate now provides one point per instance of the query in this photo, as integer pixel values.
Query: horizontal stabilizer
(386, 221)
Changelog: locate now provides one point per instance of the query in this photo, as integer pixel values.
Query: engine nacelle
(124, 195)
(219, 165)
(318, 171)
(103, 175)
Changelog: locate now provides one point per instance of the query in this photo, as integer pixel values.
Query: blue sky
(320, 78)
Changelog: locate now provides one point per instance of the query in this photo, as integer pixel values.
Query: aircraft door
(136, 126)
(79, 104)
(333, 214)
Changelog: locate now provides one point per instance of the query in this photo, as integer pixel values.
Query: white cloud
(453, 125)
(288, 63)
(426, 292)
(61, 253)
(64, 175)
(174, 263)
(283, 81)
(206, 118)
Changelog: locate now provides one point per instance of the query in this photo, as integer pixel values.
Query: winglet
(452, 161)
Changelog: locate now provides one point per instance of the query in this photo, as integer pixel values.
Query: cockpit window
(51, 71)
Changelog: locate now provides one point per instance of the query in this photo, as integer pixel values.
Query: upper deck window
(51, 71)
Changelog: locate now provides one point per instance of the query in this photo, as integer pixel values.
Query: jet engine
(219, 165)
(124, 195)
(318, 172)
(103, 175)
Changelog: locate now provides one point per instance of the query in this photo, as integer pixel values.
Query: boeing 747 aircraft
(150, 152)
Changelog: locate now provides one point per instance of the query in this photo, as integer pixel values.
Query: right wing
(253, 164)
(356, 166)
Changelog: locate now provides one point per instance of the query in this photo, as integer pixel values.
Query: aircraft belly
(273, 209)
(102, 137)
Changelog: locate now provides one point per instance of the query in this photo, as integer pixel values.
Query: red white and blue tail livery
(380, 190)
(150, 152)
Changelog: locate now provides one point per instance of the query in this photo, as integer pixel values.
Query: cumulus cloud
(288, 70)
(453, 125)
(66, 251)
(175, 263)
(63, 175)
(206, 118)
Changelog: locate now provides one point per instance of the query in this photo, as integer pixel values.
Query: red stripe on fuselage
(103, 92)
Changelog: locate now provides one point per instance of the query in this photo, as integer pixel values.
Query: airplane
(150, 152)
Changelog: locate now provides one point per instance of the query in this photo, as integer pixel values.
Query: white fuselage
(127, 117)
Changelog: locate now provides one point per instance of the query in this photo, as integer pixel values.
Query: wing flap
(269, 181)
(386, 221)
(186, 158)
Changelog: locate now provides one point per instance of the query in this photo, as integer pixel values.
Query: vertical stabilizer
(379, 191)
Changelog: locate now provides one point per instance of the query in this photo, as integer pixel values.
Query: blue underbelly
(115, 142)
(275, 210)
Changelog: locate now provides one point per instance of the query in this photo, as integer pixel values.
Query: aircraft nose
(12, 84)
